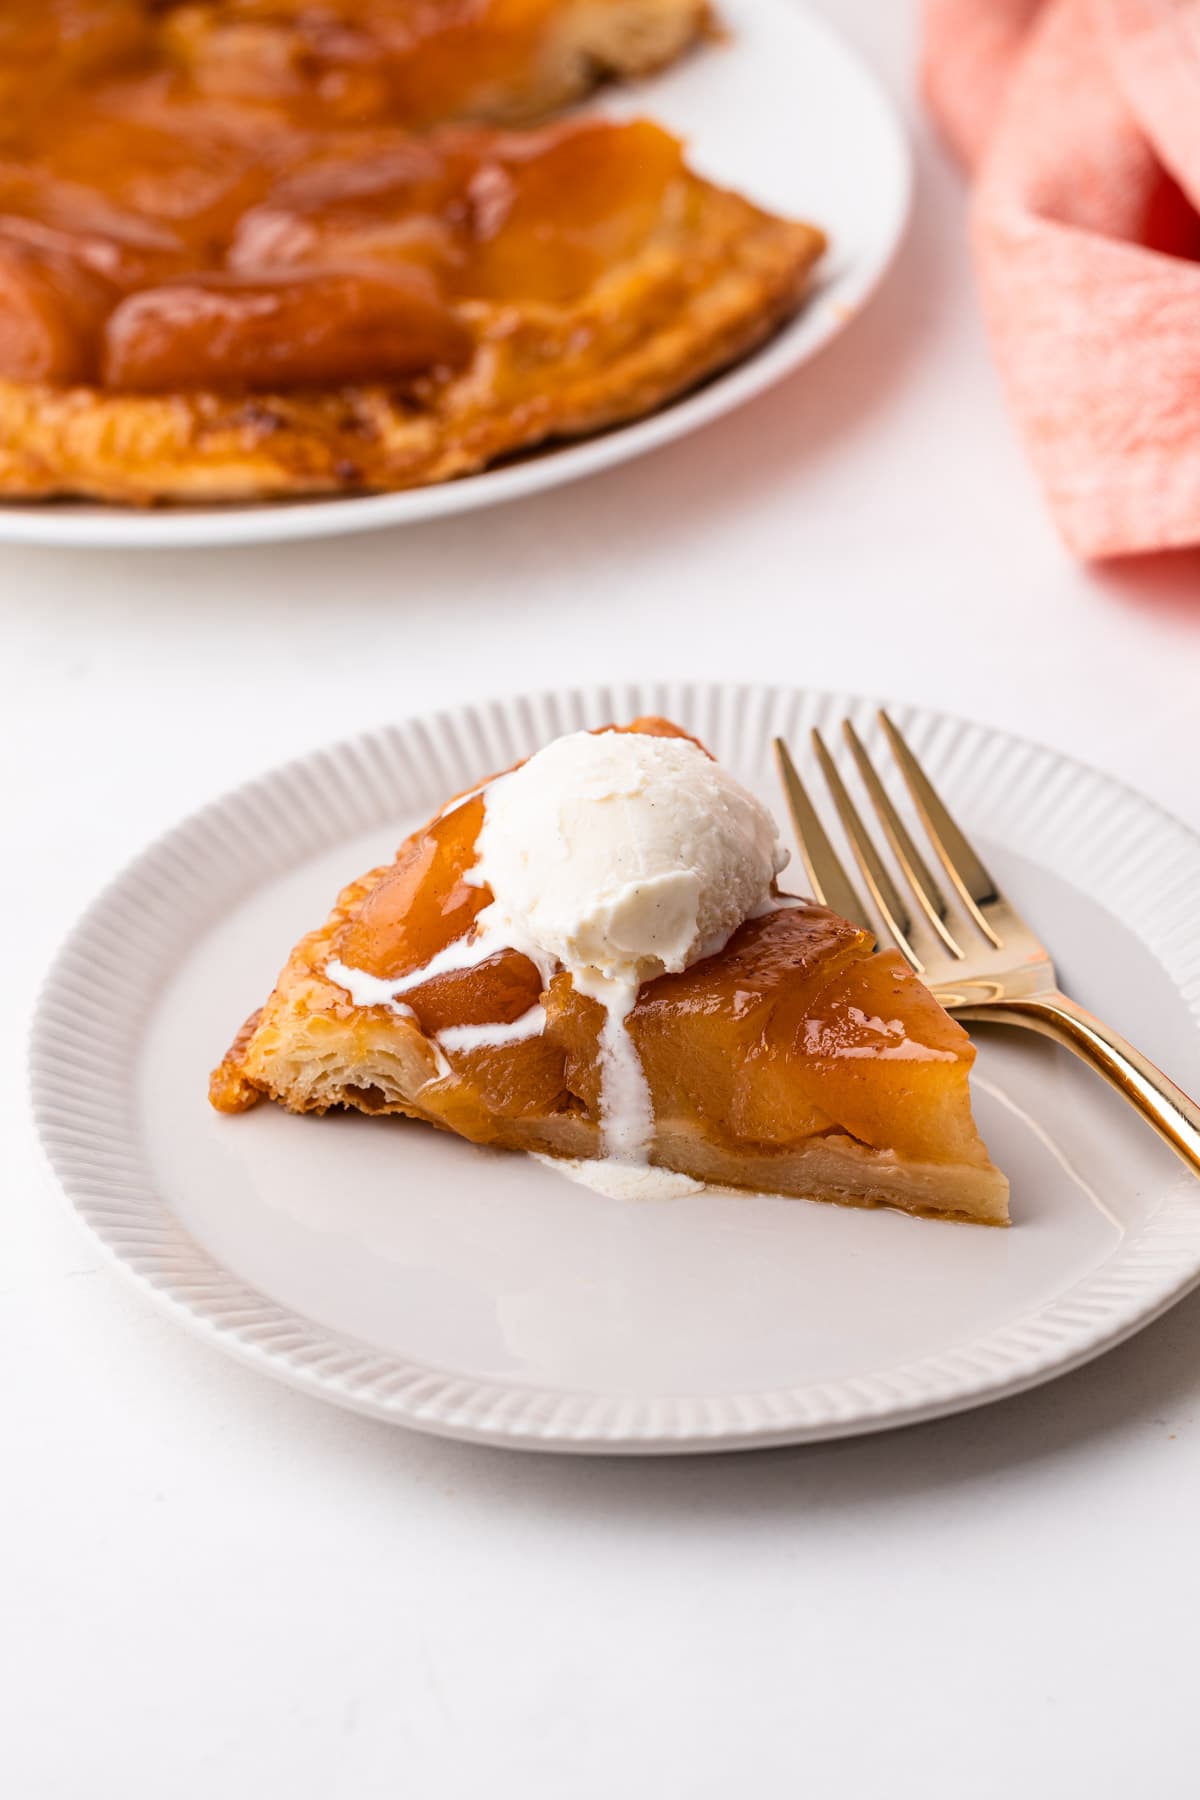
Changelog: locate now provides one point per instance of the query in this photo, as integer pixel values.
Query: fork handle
(1172, 1113)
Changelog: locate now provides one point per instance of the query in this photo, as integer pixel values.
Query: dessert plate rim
(762, 31)
(91, 1022)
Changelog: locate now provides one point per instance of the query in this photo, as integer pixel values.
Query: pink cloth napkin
(1081, 119)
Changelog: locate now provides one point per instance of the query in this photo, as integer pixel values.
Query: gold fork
(976, 953)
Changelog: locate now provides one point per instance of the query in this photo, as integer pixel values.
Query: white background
(210, 1586)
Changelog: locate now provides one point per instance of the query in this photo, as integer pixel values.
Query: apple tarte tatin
(255, 247)
(791, 1059)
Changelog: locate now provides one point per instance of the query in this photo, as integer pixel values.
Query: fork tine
(928, 894)
(974, 885)
(827, 878)
(883, 888)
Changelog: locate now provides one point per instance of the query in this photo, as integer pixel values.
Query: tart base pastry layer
(792, 1062)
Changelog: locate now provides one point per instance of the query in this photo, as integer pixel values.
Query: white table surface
(211, 1586)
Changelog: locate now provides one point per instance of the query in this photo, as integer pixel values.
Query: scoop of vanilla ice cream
(623, 856)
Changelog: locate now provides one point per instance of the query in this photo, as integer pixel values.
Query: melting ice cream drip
(621, 856)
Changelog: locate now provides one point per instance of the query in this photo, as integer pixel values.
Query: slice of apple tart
(590, 958)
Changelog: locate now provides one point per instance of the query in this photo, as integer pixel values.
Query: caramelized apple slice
(373, 197)
(82, 224)
(52, 313)
(552, 210)
(736, 1078)
(531, 215)
(500, 1085)
(422, 904)
(309, 329)
(67, 254)
(157, 160)
(876, 1051)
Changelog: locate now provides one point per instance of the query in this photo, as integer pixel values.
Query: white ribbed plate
(392, 1269)
(785, 112)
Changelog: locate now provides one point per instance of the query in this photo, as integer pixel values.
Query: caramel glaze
(167, 224)
(793, 1030)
